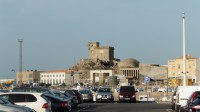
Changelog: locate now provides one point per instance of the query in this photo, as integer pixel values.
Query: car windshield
(127, 88)
(196, 101)
(104, 90)
(70, 92)
(85, 92)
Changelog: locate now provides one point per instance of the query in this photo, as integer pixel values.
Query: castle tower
(91, 49)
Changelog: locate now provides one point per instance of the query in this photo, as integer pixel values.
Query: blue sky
(56, 32)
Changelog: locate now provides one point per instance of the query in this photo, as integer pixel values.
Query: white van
(182, 95)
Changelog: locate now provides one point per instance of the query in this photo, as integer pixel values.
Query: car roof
(22, 93)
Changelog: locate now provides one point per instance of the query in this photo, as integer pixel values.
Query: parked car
(182, 94)
(193, 106)
(58, 104)
(87, 95)
(4, 91)
(7, 106)
(173, 100)
(140, 89)
(33, 89)
(192, 101)
(127, 93)
(35, 101)
(75, 93)
(79, 96)
(104, 94)
(161, 90)
(73, 99)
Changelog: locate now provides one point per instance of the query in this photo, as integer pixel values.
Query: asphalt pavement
(124, 107)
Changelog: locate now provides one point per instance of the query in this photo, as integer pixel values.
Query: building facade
(29, 76)
(157, 73)
(175, 70)
(129, 68)
(55, 77)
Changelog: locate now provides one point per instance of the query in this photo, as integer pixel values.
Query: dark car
(77, 94)
(34, 89)
(194, 106)
(127, 93)
(193, 102)
(87, 95)
(58, 104)
(73, 99)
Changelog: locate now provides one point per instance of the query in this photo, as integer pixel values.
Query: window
(31, 98)
(30, 75)
(17, 97)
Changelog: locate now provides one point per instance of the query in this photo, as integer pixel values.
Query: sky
(55, 33)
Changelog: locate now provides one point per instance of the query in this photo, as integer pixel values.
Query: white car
(161, 90)
(34, 101)
(6, 106)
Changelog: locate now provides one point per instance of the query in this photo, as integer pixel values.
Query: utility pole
(184, 63)
(20, 62)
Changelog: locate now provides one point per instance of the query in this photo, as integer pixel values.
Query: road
(124, 107)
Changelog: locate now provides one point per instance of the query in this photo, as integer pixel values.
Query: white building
(55, 77)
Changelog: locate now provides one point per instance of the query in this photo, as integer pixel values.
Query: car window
(196, 100)
(76, 92)
(2, 102)
(17, 98)
(67, 94)
(57, 94)
(6, 96)
(31, 98)
(6, 101)
(70, 92)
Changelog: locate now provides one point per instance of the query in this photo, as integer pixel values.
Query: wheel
(173, 106)
(178, 108)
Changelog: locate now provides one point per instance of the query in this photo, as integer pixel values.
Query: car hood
(104, 93)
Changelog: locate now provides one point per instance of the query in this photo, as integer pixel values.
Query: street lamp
(184, 63)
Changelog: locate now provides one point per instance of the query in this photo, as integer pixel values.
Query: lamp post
(184, 63)
(20, 62)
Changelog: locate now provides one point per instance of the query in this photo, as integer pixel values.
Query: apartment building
(175, 71)
(56, 77)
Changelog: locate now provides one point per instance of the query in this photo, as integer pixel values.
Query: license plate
(127, 98)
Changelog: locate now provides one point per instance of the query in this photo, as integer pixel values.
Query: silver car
(6, 106)
(104, 94)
